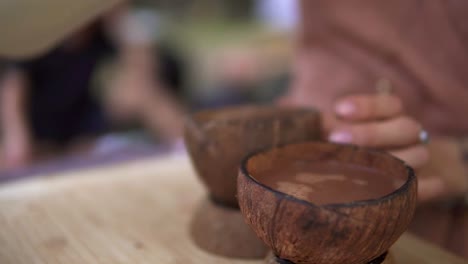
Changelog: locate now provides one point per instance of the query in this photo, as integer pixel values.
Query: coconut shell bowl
(323, 203)
(217, 141)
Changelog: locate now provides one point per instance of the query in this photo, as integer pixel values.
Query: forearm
(16, 138)
(160, 112)
(163, 116)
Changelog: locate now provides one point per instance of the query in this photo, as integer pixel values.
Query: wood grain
(136, 212)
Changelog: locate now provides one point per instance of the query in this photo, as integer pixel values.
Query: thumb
(329, 123)
(430, 189)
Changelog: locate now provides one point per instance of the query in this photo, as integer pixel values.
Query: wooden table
(136, 212)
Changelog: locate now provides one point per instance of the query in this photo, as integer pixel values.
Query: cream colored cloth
(29, 27)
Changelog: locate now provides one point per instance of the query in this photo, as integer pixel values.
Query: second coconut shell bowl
(300, 230)
(217, 141)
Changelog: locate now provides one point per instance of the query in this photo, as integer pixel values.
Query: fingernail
(345, 108)
(341, 137)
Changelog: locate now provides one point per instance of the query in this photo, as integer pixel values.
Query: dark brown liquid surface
(329, 182)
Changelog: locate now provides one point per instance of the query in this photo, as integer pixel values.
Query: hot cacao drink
(328, 182)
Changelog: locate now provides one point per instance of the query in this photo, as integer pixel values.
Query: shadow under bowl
(300, 230)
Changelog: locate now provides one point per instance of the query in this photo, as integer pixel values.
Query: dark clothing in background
(61, 105)
(60, 102)
(172, 70)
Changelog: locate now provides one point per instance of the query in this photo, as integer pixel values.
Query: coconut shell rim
(404, 188)
(195, 117)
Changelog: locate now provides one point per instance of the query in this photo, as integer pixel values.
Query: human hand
(379, 121)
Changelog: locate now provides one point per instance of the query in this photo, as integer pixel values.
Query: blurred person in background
(50, 105)
(416, 53)
(238, 74)
(256, 71)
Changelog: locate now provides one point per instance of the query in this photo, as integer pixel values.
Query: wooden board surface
(137, 212)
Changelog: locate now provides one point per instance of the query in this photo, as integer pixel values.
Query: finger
(329, 122)
(368, 107)
(397, 132)
(416, 156)
(430, 189)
